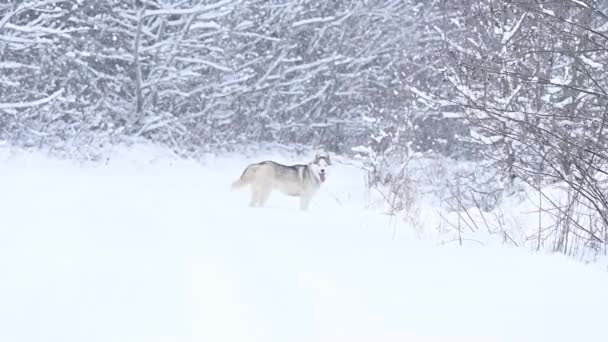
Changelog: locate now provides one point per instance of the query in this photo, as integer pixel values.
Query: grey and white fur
(300, 180)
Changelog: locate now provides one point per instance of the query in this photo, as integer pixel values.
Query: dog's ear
(317, 157)
(328, 160)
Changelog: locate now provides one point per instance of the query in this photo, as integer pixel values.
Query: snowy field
(150, 247)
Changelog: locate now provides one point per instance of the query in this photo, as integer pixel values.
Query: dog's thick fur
(302, 180)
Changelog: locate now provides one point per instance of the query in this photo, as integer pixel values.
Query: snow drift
(150, 247)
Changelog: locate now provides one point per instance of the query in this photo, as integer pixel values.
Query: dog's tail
(246, 177)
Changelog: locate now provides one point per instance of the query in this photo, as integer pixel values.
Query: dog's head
(320, 165)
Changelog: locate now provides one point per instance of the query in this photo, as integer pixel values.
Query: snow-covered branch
(35, 103)
(196, 10)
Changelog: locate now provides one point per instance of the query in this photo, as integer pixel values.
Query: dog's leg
(304, 201)
(260, 194)
(264, 194)
(255, 194)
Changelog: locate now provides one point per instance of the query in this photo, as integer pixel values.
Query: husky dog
(293, 180)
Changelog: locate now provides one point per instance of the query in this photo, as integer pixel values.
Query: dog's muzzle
(322, 175)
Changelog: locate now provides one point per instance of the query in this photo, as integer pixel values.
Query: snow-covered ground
(150, 247)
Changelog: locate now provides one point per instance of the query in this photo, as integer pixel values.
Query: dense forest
(519, 86)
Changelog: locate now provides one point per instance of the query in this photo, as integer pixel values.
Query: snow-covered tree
(528, 81)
